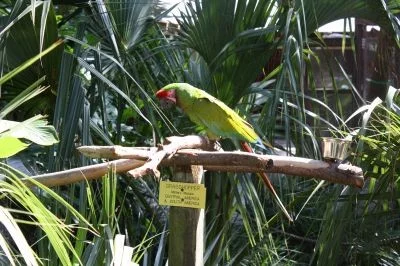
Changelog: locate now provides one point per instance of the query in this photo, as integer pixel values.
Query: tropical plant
(70, 110)
(14, 138)
(355, 219)
(100, 85)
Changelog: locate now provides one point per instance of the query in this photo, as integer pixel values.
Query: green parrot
(216, 118)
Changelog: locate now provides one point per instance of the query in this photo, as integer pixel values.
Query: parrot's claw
(217, 146)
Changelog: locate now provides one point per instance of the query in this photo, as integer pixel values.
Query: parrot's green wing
(220, 120)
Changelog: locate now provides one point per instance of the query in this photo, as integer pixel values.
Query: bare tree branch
(178, 151)
(249, 162)
(118, 152)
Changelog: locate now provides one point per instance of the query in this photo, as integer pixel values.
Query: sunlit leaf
(20, 241)
(10, 146)
(35, 129)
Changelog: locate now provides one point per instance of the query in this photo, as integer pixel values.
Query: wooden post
(186, 225)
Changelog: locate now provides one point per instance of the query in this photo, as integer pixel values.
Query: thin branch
(118, 152)
(91, 172)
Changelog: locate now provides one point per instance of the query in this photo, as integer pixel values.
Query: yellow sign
(182, 194)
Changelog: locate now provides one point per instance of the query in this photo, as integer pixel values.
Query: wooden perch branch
(247, 162)
(179, 151)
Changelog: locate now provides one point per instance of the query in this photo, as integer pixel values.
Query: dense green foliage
(93, 69)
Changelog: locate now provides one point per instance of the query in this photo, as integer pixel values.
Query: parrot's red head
(167, 97)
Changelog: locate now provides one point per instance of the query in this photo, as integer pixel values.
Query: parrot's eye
(166, 104)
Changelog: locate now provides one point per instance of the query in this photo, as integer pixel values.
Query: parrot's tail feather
(246, 147)
(275, 196)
